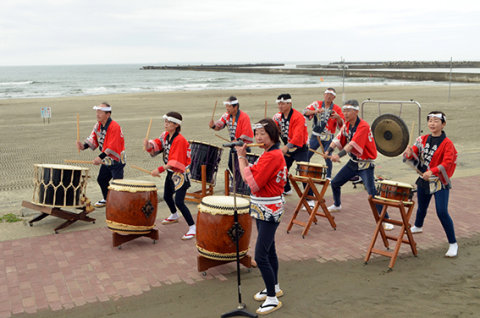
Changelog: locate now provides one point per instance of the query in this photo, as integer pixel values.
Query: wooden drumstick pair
(323, 155)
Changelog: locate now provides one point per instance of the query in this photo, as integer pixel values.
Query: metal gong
(390, 134)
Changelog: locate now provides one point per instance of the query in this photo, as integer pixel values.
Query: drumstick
(79, 161)
(265, 109)
(148, 131)
(214, 109)
(222, 138)
(323, 155)
(146, 171)
(78, 130)
(255, 145)
(411, 134)
(320, 143)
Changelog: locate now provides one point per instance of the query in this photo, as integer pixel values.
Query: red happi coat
(332, 123)
(243, 128)
(297, 129)
(114, 142)
(444, 159)
(178, 156)
(364, 147)
(266, 179)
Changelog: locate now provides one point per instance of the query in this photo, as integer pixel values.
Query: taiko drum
(216, 228)
(311, 170)
(394, 191)
(131, 206)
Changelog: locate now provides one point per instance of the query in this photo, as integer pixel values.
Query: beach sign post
(46, 113)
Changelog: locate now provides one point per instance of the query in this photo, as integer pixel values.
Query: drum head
(396, 184)
(132, 185)
(223, 205)
(59, 167)
(203, 143)
(390, 134)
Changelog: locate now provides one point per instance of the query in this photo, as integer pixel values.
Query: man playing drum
(356, 140)
(294, 134)
(327, 117)
(237, 122)
(108, 136)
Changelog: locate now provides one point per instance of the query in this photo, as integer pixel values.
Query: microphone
(233, 144)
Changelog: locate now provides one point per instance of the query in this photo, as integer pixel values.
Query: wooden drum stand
(320, 202)
(403, 223)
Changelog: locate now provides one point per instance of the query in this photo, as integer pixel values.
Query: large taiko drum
(216, 228)
(131, 206)
(204, 154)
(311, 170)
(242, 188)
(394, 191)
(59, 185)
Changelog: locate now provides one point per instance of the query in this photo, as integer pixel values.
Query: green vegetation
(10, 218)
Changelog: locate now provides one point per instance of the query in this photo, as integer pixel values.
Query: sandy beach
(429, 285)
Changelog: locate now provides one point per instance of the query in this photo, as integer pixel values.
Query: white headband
(284, 100)
(440, 116)
(233, 102)
(329, 91)
(350, 107)
(258, 126)
(172, 119)
(105, 109)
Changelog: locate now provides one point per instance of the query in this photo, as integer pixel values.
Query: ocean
(83, 80)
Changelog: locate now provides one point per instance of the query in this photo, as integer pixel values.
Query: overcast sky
(51, 32)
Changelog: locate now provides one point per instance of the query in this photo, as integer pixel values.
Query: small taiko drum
(131, 206)
(242, 188)
(311, 170)
(203, 153)
(59, 185)
(394, 191)
(216, 228)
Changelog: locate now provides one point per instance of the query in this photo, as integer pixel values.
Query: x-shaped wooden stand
(320, 202)
(404, 229)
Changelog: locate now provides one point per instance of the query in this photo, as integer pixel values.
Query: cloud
(91, 32)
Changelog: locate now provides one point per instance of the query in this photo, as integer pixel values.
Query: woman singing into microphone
(266, 179)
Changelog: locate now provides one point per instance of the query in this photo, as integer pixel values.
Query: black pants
(108, 173)
(266, 254)
(169, 191)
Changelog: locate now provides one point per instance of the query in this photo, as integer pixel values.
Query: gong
(390, 134)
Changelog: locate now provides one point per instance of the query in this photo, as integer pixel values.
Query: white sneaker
(311, 203)
(452, 250)
(334, 208)
(415, 229)
(289, 192)
(101, 203)
(388, 226)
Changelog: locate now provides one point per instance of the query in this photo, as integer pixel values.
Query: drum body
(311, 170)
(204, 154)
(59, 185)
(216, 228)
(243, 188)
(395, 191)
(131, 206)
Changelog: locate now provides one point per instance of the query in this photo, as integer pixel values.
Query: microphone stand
(240, 311)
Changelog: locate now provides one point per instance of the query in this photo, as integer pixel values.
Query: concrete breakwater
(407, 75)
(168, 67)
(396, 65)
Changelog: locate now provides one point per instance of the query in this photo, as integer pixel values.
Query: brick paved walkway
(72, 269)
